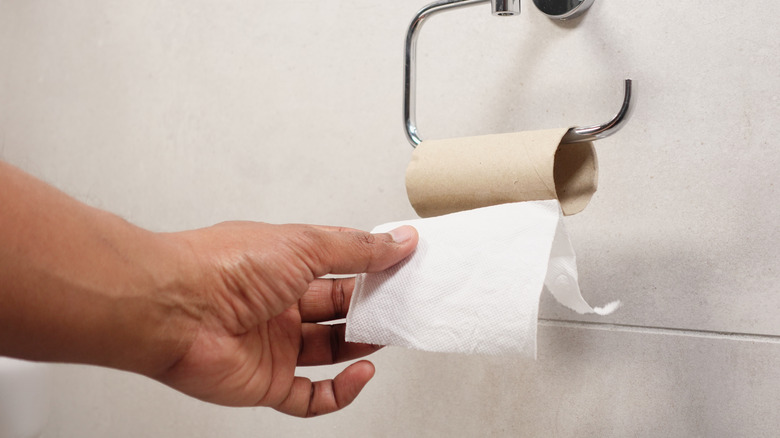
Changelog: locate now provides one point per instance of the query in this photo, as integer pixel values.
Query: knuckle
(366, 243)
(367, 238)
(373, 248)
(339, 299)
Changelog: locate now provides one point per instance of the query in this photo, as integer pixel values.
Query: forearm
(81, 285)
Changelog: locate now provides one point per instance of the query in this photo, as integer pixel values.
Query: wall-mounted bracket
(557, 9)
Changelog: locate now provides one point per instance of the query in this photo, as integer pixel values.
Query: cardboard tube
(458, 174)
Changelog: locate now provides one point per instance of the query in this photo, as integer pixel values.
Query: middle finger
(326, 299)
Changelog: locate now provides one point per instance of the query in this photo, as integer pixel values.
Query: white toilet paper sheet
(473, 283)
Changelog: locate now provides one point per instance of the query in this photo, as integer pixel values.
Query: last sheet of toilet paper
(473, 284)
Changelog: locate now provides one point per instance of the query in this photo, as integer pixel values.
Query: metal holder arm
(574, 135)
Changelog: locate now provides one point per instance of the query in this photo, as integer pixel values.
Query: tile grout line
(629, 328)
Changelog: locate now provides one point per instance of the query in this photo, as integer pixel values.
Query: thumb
(346, 251)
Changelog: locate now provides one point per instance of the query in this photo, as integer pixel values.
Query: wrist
(158, 311)
(81, 285)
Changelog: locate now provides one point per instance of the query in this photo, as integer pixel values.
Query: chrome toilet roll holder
(555, 9)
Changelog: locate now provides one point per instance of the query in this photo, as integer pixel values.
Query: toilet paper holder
(567, 9)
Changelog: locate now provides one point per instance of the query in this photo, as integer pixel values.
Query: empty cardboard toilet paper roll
(445, 176)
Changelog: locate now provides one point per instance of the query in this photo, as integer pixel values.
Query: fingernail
(402, 234)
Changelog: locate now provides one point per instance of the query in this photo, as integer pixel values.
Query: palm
(253, 368)
(257, 367)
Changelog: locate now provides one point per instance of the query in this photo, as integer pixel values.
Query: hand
(224, 314)
(252, 302)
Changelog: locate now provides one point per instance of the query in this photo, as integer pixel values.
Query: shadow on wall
(591, 383)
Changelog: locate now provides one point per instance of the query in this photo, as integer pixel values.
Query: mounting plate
(563, 9)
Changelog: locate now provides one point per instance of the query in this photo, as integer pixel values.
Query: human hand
(250, 302)
(224, 314)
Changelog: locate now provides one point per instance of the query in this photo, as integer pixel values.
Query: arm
(223, 313)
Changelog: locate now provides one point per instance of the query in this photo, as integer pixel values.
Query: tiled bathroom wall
(178, 115)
